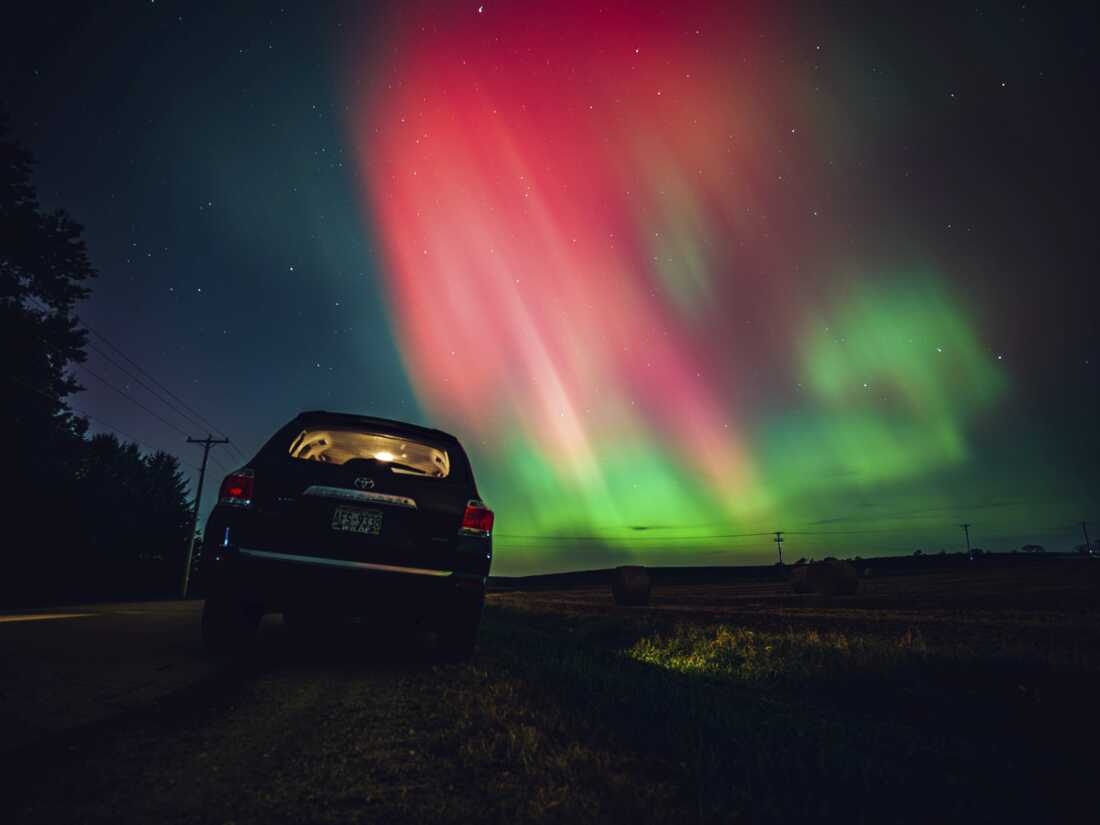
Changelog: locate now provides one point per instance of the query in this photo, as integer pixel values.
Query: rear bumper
(278, 581)
(339, 564)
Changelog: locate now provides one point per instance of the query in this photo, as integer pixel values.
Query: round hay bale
(800, 580)
(630, 586)
(828, 578)
(834, 578)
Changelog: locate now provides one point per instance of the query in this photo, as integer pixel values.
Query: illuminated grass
(750, 656)
(797, 724)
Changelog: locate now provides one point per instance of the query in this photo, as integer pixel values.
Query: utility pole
(206, 443)
(1085, 530)
(779, 540)
(966, 529)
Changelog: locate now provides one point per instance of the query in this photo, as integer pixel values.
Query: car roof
(315, 417)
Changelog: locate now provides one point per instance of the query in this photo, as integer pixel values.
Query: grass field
(965, 694)
(951, 695)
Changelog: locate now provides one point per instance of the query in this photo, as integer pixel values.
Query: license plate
(353, 520)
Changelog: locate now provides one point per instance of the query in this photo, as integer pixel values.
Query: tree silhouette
(135, 517)
(88, 518)
(43, 267)
(43, 264)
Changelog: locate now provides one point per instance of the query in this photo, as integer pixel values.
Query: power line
(704, 537)
(171, 394)
(131, 376)
(124, 434)
(1066, 528)
(535, 541)
(195, 418)
(888, 531)
(217, 461)
(125, 394)
(127, 435)
(72, 408)
(145, 386)
(634, 538)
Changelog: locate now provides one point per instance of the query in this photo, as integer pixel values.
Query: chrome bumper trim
(356, 565)
(358, 496)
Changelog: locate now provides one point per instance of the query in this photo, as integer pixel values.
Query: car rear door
(359, 511)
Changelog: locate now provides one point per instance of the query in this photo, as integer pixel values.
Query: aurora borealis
(607, 253)
(678, 275)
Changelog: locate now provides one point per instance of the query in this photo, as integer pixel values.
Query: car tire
(229, 627)
(458, 640)
(306, 626)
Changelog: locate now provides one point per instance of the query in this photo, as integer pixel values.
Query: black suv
(349, 516)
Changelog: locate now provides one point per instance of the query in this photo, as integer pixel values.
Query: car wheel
(305, 626)
(229, 627)
(457, 642)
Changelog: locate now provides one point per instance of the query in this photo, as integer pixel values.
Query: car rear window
(404, 455)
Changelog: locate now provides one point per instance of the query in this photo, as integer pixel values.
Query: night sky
(677, 274)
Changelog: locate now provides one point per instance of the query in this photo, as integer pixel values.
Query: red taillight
(237, 489)
(477, 520)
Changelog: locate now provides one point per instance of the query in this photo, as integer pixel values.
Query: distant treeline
(84, 518)
(111, 524)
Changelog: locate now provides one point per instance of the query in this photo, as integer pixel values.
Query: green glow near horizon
(892, 378)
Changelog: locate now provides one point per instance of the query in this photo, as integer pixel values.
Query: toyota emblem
(364, 483)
